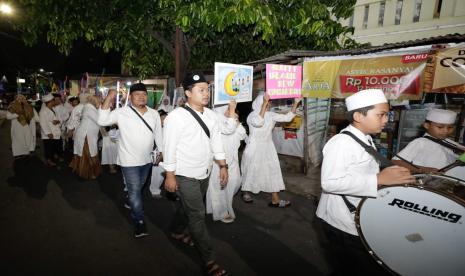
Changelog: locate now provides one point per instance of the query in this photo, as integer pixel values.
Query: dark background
(18, 59)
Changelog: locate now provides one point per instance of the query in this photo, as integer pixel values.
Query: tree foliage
(213, 30)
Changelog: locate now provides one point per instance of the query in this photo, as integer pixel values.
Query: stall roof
(293, 56)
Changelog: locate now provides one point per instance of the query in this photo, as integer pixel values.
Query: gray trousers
(191, 214)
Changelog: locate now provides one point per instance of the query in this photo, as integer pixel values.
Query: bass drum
(416, 229)
(457, 173)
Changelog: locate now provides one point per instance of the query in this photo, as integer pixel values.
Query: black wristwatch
(224, 166)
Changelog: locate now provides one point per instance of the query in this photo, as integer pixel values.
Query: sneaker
(140, 230)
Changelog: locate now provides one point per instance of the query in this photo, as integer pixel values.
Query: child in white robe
(219, 201)
(434, 150)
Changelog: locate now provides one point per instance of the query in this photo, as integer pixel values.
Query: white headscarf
(258, 102)
(165, 97)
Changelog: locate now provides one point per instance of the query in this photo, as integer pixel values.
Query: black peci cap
(192, 79)
(137, 87)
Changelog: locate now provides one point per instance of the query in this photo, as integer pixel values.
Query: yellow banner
(399, 76)
(319, 78)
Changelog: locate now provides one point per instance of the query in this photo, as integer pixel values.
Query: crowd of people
(192, 151)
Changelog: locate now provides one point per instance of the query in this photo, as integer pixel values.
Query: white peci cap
(365, 98)
(441, 116)
(47, 98)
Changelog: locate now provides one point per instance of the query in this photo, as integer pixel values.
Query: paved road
(55, 224)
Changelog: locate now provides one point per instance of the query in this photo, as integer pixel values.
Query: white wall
(451, 20)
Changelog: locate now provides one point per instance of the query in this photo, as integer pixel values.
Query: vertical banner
(319, 78)
(233, 82)
(283, 81)
(445, 70)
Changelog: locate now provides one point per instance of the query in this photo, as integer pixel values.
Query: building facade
(390, 21)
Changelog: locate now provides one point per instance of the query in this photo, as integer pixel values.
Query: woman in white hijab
(23, 126)
(86, 162)
(166, 105)
(260, 167)
(218, 199)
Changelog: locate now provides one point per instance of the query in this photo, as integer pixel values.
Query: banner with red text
(399, 76)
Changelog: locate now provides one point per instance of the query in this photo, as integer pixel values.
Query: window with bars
(416, 12)
(382, 6)
(365, 16)
(399, 5)
(437, 9)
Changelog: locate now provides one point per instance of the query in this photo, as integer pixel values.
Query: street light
(6, 9)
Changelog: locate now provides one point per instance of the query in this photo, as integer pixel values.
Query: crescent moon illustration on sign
(228, 85)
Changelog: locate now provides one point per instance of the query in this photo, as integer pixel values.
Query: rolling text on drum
(426, 210)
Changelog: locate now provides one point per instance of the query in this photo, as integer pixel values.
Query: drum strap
(444, 144)
(349, 205)
(383, 162)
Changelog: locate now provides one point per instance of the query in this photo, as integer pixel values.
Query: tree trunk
(177, 56)
(179, 48)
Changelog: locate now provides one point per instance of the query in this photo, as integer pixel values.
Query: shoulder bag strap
(444, 144)
(197, 117)
(146, 124)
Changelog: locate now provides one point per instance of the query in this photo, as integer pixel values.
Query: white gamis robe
(219, 201)
(88, 128)
(23, 138)
(109, 146)
(261, 171)
(75, 117)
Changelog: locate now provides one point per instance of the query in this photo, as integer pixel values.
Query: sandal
(281, 204)
(247, 198)
(184, 238)
(215, 269)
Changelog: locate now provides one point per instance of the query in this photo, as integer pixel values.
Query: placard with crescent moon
(233, 81)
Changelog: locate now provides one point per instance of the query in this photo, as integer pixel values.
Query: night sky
(16, 56)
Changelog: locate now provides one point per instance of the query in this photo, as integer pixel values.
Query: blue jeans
(135, 178)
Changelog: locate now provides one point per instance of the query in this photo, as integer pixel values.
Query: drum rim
(357, 213)
(455, 198)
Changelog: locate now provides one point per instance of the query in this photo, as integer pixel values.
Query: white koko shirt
(46, 118)
(426, 153)
(347, 170)
(136, 140)
(188, 150)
